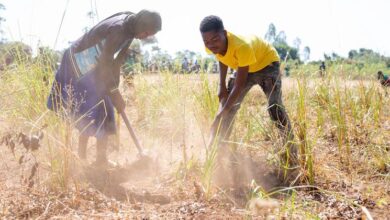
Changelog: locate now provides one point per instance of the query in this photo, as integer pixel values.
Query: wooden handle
(137, 144)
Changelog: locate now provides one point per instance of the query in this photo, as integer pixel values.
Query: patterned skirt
(80, 99)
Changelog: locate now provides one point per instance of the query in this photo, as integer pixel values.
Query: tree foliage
(279, 41)
(271, 33)
(306, 53)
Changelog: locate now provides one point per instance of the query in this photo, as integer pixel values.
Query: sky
(325, 26)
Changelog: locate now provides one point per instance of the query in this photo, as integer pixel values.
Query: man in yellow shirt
(255, 61)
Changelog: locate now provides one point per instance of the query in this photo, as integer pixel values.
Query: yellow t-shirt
(247, 51)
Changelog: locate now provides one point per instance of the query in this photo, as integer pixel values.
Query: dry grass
(344, 127)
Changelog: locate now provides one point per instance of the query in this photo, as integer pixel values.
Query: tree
(162, 60)
(327, 57)
(387, 62)
(352, 54)
(271, 33)
(189, 54)
(279, 41)
(297, 43)
(281, 38)
(335, 56)
(286, 52)
(306, 53)
(366, 56)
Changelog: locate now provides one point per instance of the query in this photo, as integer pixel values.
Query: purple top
(117, 37)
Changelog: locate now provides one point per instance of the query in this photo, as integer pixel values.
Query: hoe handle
(126, 120)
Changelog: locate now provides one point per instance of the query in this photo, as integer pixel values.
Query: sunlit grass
(341, 123)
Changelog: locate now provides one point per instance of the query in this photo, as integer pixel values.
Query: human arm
(239, 85)
(222, 91)
(107, 75)
(244, 56)
(115, 94)
(109, 68)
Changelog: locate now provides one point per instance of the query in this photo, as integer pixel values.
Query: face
(215, 41)
(144, 34)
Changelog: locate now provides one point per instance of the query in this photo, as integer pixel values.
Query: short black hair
(211, 23)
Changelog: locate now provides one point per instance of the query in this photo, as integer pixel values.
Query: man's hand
(216, 126)
(222, 95)
(117, 100)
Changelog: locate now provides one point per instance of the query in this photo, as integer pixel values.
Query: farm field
(341, 126)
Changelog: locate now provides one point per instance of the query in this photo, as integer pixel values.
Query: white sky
(324, 25)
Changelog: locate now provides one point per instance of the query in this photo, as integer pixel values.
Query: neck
(226, 47)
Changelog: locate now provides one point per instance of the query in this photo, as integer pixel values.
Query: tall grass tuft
(25, 87)
(338, 115)
(206, 98)
(305, 146)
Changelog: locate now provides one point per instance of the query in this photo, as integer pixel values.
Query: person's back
(110, 25)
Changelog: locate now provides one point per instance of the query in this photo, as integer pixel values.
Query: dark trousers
(269, 79)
